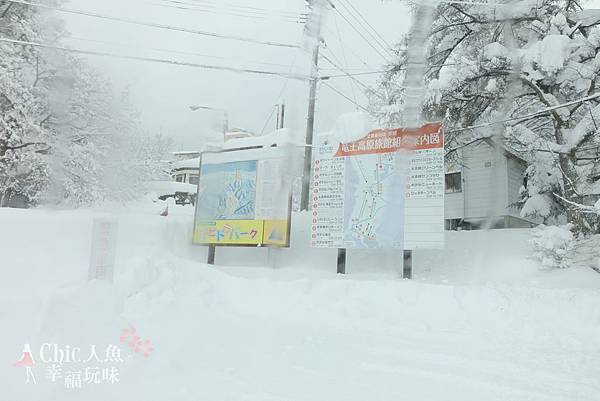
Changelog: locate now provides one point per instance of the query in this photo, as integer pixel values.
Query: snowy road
(287, 334)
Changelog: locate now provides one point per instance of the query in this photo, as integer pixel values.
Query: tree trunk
(570, 180)
(574, 214)
(5, 197)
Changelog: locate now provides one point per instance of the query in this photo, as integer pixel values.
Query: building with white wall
(483, 188)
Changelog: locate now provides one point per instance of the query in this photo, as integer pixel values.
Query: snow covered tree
(65, 136)
(523, 74)
(23, 140)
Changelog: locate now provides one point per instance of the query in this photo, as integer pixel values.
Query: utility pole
(280, 116)
(312, 97)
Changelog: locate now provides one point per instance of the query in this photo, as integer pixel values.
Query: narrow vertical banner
(104, 249)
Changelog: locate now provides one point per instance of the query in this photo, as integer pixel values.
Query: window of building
(179, 178)
(454, 182)
(194, 178)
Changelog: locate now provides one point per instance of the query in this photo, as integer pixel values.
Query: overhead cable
(154, 25)
(376, 40)
(529, 116)
(171, 51)
(180, 5)
(333, 88)
(385, 57)
(368, 24)
(157, 60)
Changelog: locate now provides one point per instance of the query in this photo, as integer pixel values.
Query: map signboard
(385, 190)
(242, 198)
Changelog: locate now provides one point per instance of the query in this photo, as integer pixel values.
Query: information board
(385, 190)
(243, 198)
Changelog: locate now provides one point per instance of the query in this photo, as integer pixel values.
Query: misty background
(163, 93)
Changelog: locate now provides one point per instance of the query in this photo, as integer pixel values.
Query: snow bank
(480, 318)
(551, 244)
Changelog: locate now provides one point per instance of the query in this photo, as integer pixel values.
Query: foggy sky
(163, 93)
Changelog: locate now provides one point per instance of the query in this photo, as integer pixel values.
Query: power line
(529, 116)
(214, 4)
(357, 69)
(324, 77)
(154, 25)
(344, 96)
(246, 13)
(349, 49)
(346, 73)
(383, 46)
(171, 51)
(474, 3)
(339, 36)
(158, 60)
(285, 84)
(359, 33)
(366, 88)
(367, 22)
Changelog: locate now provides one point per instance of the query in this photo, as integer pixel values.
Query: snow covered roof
(508, 151)
(185, 152)
(238, 133)
(277, 137)
(187, 164)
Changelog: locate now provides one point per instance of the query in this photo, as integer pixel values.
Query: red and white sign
(385, 190)
(429, 136)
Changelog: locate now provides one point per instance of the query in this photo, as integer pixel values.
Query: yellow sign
(229, 232)
(276, 232)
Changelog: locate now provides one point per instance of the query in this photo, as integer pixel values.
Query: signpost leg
(272, 256)
(211, 255)
(341, 261)
(407, 267)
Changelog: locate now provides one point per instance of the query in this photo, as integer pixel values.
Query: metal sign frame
(261, 245)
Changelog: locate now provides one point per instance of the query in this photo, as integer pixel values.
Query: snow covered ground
(480, 321)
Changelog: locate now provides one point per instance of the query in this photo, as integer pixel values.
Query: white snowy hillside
(481, 321)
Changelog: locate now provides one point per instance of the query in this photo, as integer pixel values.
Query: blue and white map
(373, 202)
(227, 191)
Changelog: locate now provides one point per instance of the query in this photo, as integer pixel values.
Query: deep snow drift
(480, 321)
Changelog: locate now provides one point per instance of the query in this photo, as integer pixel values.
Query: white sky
(163, 93)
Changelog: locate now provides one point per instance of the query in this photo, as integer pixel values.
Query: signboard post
(407, 265)
(383, 191)
(242, 199)
(103, 252)
(341, 261)
(210, 260)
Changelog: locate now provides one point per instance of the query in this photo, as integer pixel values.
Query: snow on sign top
(393, 140)
(351, 127)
